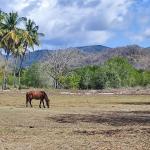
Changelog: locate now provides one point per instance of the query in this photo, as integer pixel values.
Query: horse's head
(46, 98)
(47, 102)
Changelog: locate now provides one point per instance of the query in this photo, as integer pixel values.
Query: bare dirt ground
(75, 122)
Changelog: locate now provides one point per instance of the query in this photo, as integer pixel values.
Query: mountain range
(84, 52)
(96, 55)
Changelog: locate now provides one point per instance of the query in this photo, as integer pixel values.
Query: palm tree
(9, 38)
(2, 15)
(29, 38)
(16, 41)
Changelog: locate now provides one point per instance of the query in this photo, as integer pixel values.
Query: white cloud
(74, 22)
(147, 33)
(141, 36)
(137, 38)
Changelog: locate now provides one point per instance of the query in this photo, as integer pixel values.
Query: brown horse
(39, 95)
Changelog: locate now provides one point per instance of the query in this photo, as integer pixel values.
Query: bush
(146, 78)
(127, 75)
(31, 77)
(70, 81)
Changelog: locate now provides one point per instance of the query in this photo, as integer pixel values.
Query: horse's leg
(47, 102)
(43, 103)
(40, 103)
(27, 102)
(30, 102)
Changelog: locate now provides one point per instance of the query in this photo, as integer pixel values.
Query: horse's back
(35, 94)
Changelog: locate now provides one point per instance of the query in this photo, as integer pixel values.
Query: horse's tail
(46, 99)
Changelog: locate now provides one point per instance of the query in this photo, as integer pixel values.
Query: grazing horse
(39, 95)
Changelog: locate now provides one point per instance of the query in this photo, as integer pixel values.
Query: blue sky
(69, 23)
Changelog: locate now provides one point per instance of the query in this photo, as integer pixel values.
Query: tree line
(17, 36)
(115, 73)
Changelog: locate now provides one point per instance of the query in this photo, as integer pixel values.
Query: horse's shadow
(117, 118)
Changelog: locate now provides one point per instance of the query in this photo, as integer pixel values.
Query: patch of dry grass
(75, 122)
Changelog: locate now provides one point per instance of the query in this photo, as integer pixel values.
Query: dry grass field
(75, 122)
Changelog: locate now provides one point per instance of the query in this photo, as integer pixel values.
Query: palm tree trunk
(19, 72)
(14, 74)
(19, 76)
(20, 67)
(14, 82)
(4, 79)
(5, 73)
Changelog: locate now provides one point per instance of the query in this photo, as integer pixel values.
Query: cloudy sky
(87, 22)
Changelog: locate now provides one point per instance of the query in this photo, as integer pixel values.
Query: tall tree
(58, 63)
(9, 38)
(29, 38)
